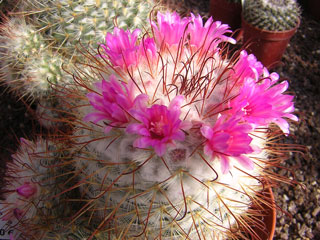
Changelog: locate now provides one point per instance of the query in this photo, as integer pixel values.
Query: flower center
(247, 109)
(156, 129)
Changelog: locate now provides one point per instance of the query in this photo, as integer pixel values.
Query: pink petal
(206, 131)
(245, 162)
(225, 165)
(283, 124)
(94, 117)
(160, 149)
(27, 190)
(176, 102)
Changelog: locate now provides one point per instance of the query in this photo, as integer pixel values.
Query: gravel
(300, 218)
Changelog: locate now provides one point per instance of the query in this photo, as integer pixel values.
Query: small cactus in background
(42, 37)
(272, 15)
(35, 180)
(19, 43)
(64, 23)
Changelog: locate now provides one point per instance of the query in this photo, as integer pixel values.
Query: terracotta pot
(265, 229)
(269, 217)
(226, 12)
(267, 46)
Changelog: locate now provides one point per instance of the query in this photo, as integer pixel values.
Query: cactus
(170, 138)
(34, 48)
(34, 181)
(174, 144)
(65, 22)
(272, 15)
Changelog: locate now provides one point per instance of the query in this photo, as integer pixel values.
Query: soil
(301, 67)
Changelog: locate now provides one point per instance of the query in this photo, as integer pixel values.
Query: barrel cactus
(173, 141)
(272, 15)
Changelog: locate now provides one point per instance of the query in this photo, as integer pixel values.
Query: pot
(267, 46)
(263, 228)
(269, 217)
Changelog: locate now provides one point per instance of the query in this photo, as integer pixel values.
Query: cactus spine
(35, 47)
(272, 15)
(65, 23)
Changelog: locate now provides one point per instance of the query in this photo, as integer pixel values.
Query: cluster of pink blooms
(26, 191)
(122, 104)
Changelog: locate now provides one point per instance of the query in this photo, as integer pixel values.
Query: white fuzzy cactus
(170, 137)
(173, 144)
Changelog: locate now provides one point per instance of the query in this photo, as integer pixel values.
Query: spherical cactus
(172, 142)
(272, 15)
(19, 42)
(35, 182)
(44, 71)
(34, 49)
(65, 23)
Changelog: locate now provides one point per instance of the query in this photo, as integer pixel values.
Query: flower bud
(27, 190)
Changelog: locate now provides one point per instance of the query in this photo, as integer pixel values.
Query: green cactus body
(35, 48)
(65, 22)
(272, 15)
(19, 43)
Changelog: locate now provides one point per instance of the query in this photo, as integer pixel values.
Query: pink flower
(247, 67)
(27, 190)
(159, 125)
(114, 102)
(208, 36)
(170, 29)
(228, 138)
(121, 47)
(262, 103)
